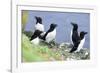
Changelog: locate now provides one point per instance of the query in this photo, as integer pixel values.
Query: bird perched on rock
(78, 45)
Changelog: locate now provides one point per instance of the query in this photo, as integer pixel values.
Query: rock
(83, 54)
(64, 49)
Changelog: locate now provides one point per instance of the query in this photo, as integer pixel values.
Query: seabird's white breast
(42, 34)
(51, 36)
(39, 26)
(81, 45)
(35, 41)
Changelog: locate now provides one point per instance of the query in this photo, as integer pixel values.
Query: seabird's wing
(81, 44)
(75, 37)
(75, 46)
(36, 34)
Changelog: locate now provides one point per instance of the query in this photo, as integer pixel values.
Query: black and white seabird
(39, 25)
(74, 33)
(80, 42)
(35, 37)
(50, 34)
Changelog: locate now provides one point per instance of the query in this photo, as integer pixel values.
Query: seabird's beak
(72, 24)
(36, 17)
(85, 32)
(55, 25)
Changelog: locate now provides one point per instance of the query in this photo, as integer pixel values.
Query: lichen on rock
(83, 54)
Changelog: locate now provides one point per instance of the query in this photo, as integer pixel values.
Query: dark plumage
(36, 34)
(75, 46)
(39, 26)
(38, 20)
(82, 34)
(74, 35)
(79, 43)
(50, 34)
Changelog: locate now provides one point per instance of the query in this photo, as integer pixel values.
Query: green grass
(34, 53)
(43, 52)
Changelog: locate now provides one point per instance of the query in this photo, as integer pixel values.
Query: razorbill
(50, 34)
(39, 25)
(78, 45)
(74, 33)
(82, 40)
(35, 37)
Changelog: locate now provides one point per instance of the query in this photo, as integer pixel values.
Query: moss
(45, 52)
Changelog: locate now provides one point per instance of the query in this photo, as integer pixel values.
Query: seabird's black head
(53, 25)
(38, 20)
(82, 34)
(75, 26)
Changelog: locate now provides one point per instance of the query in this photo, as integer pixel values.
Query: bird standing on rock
(78, 45)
